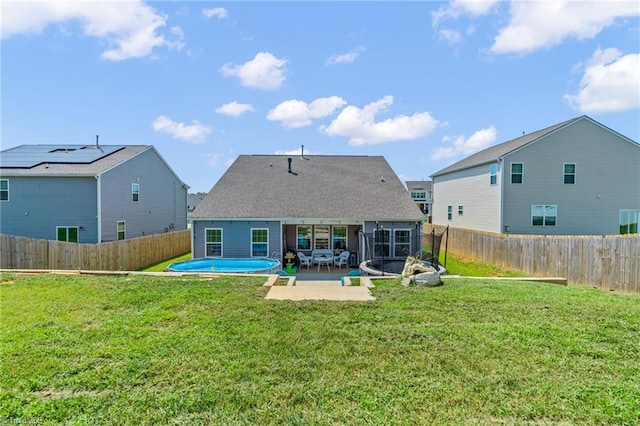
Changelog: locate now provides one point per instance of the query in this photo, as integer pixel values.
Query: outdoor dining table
(323, 260)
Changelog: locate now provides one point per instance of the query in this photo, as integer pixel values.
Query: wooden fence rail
(124, 255)
(608, 262)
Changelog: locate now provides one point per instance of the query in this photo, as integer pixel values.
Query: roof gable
(354, 187)
(494, 153)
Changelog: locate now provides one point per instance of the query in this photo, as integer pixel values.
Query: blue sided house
(89, 193)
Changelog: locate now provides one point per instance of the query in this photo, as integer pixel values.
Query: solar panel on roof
(28, 156)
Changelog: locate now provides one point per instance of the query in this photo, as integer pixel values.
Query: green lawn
(157, 350)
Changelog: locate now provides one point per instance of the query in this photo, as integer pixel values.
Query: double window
(213, 242)
(67, 233)
(629, 221)
(569, 173)
(259, 242)
(517, 172)
(4, 189)
(542, 215)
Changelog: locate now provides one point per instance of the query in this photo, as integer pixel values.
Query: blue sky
(422, 83)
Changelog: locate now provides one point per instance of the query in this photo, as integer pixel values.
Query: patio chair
(343, 259)
(304, 260)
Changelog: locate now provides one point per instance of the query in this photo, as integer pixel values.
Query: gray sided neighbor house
(89, 193)
(577, 177)
(266, 204)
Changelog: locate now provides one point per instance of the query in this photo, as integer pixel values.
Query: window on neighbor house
(449, 212)
(544, 215)
(4, 189)
(321, 237)
(213, 242)
(517, 172)
(401, 242)
(259, 242)
(135, 192)
(419, 195)
(381, 242)
(67, 233)
(121, 230)
(569, 173)
(304, 237)
(460, 210)
(628, 219)
(493, 174)
(339, 237)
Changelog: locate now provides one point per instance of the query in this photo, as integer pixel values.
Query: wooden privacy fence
(608, 262)
(123, 255)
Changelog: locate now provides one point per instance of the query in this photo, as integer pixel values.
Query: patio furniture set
(324, 257)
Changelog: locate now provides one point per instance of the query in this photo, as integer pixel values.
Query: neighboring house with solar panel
(577, 177)
(264, 204)
(89, 193)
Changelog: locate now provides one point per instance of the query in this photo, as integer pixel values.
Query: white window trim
(493, 175)
(511, 174)
(315, 238)
(124, 222)
(252, 243)
(544, 207)
(575, 173)
(133, 192)
(395, 244)
(8, 190)
(77, 228)
(221, 241)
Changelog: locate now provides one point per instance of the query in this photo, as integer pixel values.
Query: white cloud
(297, 152)
(610, 83)
(264, 71)
(195, 132)
(215, 12)
(457, 8)
(451, 36)
(541, 24)
(345, 58)
(360, 127)
(130, 28)
(234, 109)
(294, 113)
(480, 140)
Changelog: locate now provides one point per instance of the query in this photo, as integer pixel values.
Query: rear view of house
(577, 177)
(89, 193)
(266, 204)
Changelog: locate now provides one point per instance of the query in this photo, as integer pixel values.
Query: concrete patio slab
(320, 290)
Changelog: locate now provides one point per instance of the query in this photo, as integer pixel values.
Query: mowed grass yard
(158, 350)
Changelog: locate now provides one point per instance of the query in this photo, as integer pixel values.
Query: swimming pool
(241, 266)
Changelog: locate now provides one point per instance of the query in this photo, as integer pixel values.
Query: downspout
(99, 206)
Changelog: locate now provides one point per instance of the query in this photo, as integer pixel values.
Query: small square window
(460, 210)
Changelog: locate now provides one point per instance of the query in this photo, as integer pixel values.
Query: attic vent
(63, 150)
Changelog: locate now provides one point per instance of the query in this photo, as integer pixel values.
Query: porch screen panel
(381, 242)
(304, 237)
(340, 237)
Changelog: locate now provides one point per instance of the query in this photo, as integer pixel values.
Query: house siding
(236, 237)
(470, 188)
(607, 180)
(37, 206)
(162, 205)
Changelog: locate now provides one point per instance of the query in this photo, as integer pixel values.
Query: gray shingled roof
(330, 187)
(495, 152)
(424, 184)
(56, 165)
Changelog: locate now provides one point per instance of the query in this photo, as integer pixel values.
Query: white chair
(343, 259)
(304, 260)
